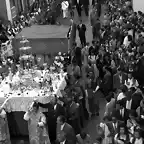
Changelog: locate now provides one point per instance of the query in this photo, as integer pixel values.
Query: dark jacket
(81, 30)
(68, 130)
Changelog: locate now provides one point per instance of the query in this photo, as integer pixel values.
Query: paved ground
(91, 125)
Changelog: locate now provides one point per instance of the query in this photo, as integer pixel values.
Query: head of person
(119, 71)
(106, 118)
(122, 129)
(132, 115)
(54, 100)
(62, 136)
(61, 120)
(121, 104)
(124, 89)
(105, 69)
(71, 21)
(131, 91)
(35, 107)
(114, 118)
(129, 75)
(83, 135)
(137, 133)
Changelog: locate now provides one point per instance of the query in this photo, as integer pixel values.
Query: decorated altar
(18, 91)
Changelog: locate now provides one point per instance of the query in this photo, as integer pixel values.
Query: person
(132, 123)
(130, 103)
(106, 85)
(131, 82)
(85, 4)
(122, 112)
(123, 92)
(78, 7)
(118, 79)
(71, 35)
(38, 133)
(83, 138)
(4, 130)
(96, 25)
(122, 137)
(62, 125)
(73, 70)
(73, 115)
(82, 30)
(104, 131)
(65, 5)
(62, 139)
(54, 110)
(111, 103)
(140, 113)
(137, 139)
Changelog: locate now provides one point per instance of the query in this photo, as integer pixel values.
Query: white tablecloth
(22, 102)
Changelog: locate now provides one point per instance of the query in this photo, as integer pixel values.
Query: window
(12, 3)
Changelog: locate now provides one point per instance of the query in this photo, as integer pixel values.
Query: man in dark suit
(85, 4)
(136, 99)
(82, 30)
(54, 110)
(78, 7)
(130, 103)
(122, 113)
(106, 85)
(62, 125)
(96, 28)
(118, 79)
(73, 115)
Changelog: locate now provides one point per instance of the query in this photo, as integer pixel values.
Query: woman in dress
(4, 131)
(104, 132)
(38, 134)
(122, 137)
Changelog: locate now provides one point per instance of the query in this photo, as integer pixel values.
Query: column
(8, 7)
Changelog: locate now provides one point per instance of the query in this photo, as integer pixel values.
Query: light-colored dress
(4, 131)
(38, 134)
(106, 139)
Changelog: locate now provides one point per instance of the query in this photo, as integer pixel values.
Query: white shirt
(120, 77)
(115, 125)
(63, 142)
(122, 112)
(126, 42)
(137, 141)
(65, 5)
(128, 104)
(120, 96)
(55, 107)
(62, 126)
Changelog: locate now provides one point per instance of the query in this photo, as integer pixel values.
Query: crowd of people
(112, 66)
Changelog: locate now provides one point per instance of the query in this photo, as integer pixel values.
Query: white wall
(138, 5)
